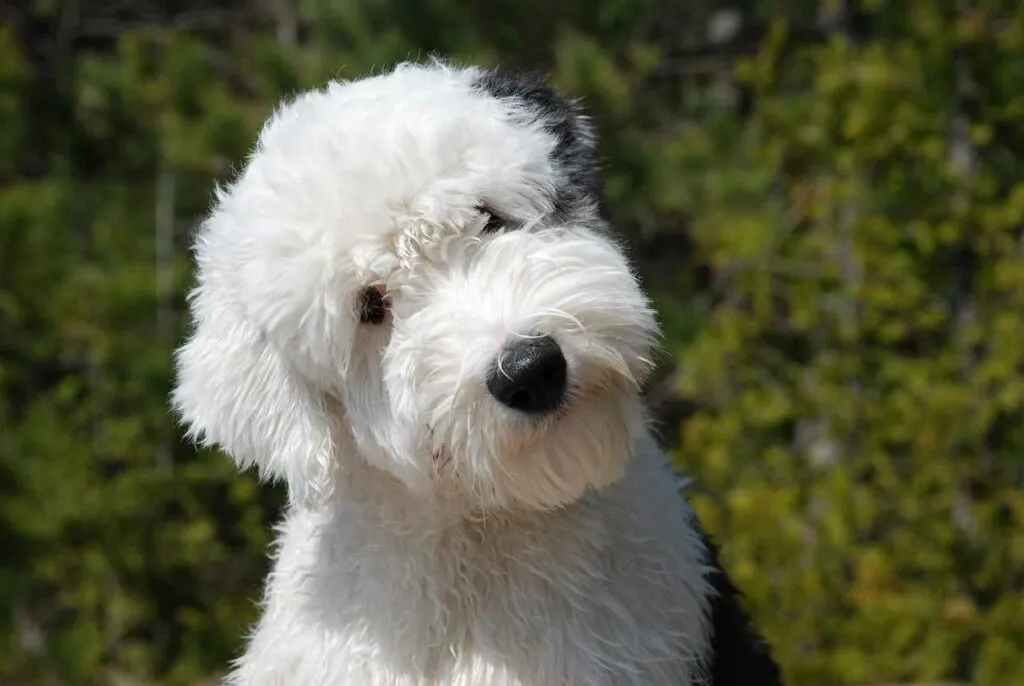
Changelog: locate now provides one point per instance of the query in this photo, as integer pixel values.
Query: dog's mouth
(525, 430)
(442, 458)
(374, 305)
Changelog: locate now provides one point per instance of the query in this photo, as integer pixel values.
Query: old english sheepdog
(411, 308)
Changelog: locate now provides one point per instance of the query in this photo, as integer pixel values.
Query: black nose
(530, 376)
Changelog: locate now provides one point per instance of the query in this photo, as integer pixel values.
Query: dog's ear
(576, 139)
(237, 391)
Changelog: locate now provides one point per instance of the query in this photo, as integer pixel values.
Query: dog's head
(413, 270)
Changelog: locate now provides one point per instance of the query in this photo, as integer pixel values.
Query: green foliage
(859, 375)
(838, 265)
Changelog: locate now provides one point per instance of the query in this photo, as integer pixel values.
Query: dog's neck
(383, 500)
(385, 504)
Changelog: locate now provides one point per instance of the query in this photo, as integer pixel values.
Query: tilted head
(413, 271)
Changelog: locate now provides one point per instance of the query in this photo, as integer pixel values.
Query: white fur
(435, 536)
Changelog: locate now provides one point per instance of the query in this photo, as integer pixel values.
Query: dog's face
(412, 270)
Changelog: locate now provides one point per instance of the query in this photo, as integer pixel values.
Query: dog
(411, 307)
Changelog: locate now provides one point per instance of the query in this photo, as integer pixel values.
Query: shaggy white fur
(436, 535)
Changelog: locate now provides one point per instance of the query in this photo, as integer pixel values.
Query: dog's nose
(530, 376)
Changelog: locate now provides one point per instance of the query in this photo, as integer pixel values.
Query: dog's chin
(544, 463)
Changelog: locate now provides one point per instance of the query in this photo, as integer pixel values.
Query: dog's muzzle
(530, 376)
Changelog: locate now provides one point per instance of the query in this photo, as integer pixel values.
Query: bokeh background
(825, 199)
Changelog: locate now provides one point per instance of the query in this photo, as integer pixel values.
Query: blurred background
(825, 199)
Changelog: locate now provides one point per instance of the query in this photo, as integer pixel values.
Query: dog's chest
(516, 627)
(481, 606)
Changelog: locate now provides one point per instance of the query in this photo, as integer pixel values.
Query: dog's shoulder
(740, 656)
